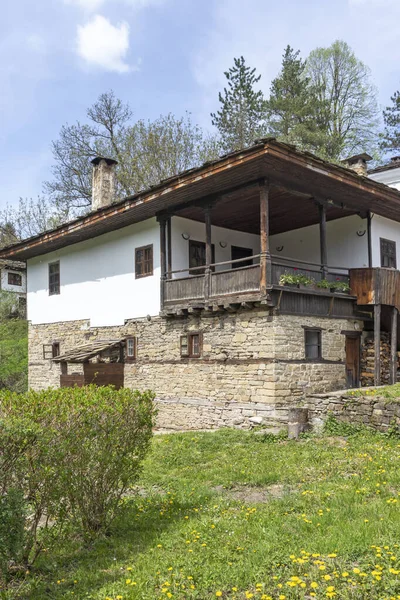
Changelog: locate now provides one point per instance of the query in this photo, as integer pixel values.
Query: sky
(160, 56)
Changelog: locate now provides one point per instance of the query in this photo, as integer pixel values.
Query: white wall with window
(97, 279)
(13, 280)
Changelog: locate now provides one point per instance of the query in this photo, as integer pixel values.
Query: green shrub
(14, 354)
(72, 453)
(12, 529)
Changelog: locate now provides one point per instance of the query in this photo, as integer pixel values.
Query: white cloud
(104, 45)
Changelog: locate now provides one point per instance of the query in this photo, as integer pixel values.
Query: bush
(14, 355)
(72, 453)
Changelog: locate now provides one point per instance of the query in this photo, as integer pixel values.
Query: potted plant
(342, 287)
(294, 280)
(324, 284)
(334, 286)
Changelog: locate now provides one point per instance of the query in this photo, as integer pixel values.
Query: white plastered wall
(387, 229)
(98, 280)
(345, 247)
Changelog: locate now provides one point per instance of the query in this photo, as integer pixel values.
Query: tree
(391, 117)
(347, 101)
(292, 108)
(241, 118)
(146, 152)
(30, 217)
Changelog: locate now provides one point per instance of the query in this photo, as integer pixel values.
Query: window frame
(186, 341)
(51, 351)
(143, 262)
(200, 269)
(318, 331)
(382, 243)
(12, 274)
(54, 288)
(130, 358)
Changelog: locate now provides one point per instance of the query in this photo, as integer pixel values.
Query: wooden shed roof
(282, 164)
(83, 353)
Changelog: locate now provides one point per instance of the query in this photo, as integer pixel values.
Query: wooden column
(207, 273)
(322, 240)
(169, 249)
(163, 257)
(393, 347)
(265, 256)
(377, 340)
(369, 239)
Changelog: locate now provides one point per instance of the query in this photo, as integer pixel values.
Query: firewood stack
(368, 361)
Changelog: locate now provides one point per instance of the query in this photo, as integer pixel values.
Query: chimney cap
(353, 159)
(109, 161)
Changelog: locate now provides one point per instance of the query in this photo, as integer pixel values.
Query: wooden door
(352, 361)
(239, 252)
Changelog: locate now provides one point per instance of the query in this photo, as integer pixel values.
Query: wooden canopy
(82, 354)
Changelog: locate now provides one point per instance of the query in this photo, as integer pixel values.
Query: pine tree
(391, 117)
(241, 118)
(291, 110)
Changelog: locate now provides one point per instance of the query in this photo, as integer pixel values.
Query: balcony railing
(229, 278)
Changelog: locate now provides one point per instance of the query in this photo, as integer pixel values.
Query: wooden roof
(83, 353)
(284, 166)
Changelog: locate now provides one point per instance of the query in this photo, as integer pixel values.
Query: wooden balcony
(230, 283)
(376, 286)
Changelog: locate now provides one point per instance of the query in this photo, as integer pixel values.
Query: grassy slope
(14, 354)
(186, 539)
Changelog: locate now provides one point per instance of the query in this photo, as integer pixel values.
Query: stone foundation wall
(248, 357)
(370, 411)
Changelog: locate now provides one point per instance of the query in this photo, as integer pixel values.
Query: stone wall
(250, 356)
(370, 411)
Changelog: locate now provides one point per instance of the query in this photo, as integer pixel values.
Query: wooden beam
(169, 249)
(393, 347)
(163, 257)
(369, 239)
(265, 255)
(377, 340)
(207, 273)
(322, 239)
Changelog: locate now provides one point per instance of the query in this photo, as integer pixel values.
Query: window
(54, 278)
(388, 253)
(192, 345)
(130, 349)
(312, 338)
(239, 252)
(144, 261)
(197, 256)
(51, 350)
(14, 279)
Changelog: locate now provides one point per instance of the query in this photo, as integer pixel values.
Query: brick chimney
(358, 163)
(103, 182)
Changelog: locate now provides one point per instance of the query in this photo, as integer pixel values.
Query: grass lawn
(227, 515)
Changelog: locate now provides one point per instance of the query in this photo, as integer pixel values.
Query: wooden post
(207, 273)
(322, 240)
(265, 256)
(393, 347)
(369, 239)
(163, 257)
(169, 252)
(377, 340)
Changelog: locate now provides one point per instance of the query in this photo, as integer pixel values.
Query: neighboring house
(388, 174)
(178, 288)
(13, 279)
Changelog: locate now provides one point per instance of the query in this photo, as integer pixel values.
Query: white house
(183, 288)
